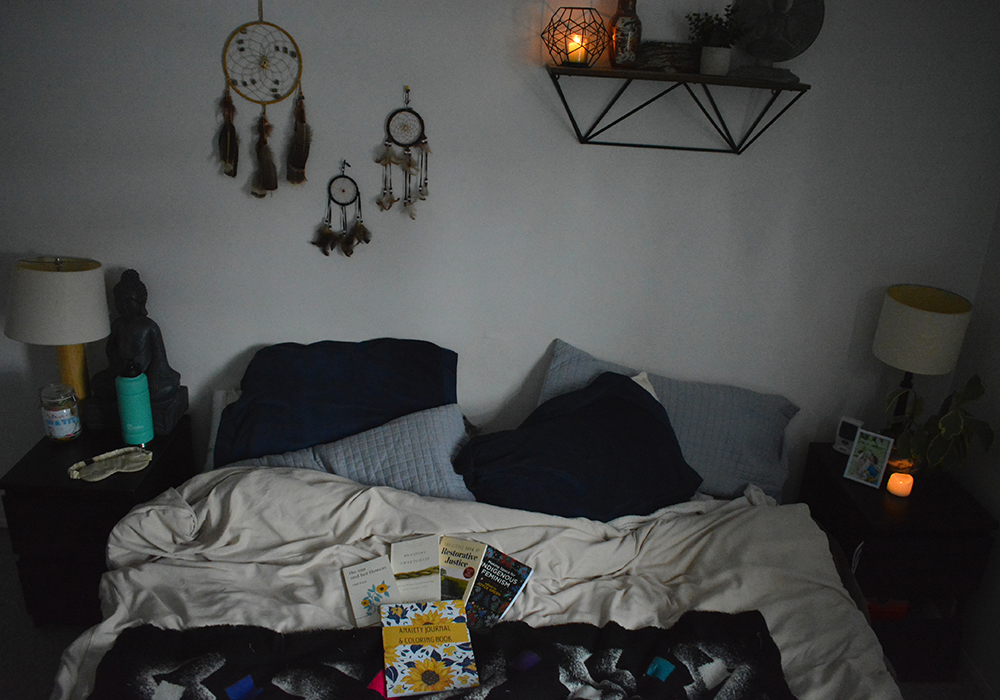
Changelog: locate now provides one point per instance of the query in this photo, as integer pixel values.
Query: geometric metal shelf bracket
(693, 84)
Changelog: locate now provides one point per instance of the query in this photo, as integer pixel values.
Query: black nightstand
(917, 559)
(59, 526)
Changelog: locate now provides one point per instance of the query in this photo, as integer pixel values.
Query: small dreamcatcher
(342, 192)
(404, 128)
(263, 64)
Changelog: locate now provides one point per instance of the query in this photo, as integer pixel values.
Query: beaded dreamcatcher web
(404, 128)
(263, 64)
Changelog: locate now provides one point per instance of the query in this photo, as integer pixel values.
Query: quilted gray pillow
(412, 453)
(731, 436)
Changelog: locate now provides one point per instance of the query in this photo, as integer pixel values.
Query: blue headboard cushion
(599, 452)
(731, 436)
(295, 396)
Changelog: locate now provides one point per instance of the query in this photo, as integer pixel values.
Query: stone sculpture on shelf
(136, 338)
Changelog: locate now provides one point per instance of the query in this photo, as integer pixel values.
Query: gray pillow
(412, 453)
(731, 436)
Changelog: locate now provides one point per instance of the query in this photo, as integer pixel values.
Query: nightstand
(916, 559)
(59, 526)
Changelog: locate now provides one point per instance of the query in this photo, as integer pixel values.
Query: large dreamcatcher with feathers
(263, 64)
(405, 146)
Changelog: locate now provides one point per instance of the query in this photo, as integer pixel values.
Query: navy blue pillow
(600, 452)
(295, 396)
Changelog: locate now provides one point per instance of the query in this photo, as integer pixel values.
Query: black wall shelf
(691, 83)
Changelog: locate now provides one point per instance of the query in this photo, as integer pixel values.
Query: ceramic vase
(715, 60)
(626, 34)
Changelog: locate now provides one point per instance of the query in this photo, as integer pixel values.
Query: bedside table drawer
(918, 567)
(45, 525)
(55, 592)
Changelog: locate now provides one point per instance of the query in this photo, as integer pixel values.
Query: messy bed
(645, 506)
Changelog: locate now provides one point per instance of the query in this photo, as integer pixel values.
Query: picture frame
(869, 455)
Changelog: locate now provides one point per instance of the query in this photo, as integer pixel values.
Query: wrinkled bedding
(265, 547)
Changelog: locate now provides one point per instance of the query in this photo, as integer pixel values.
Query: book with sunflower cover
(369, 585)
(427, 648)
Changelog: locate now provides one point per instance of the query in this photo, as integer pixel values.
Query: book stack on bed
(428, 593)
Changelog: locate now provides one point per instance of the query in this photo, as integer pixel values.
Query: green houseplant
(710, 29)
(943, 439)
(715, 35)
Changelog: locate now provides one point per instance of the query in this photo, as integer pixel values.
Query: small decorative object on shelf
(715, 34)
(626, 35)
(576, 37)
(776, 31)
(404, 128)
(343, 192)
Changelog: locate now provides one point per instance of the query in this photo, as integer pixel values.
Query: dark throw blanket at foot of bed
(704, 655)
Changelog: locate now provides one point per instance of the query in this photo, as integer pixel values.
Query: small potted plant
(715, 34)
(943, 439)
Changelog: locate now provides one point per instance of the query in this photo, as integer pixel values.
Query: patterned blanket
(705, 655)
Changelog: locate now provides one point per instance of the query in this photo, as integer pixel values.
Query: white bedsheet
(266, 547)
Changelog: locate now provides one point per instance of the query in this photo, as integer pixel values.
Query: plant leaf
(982, 430)
(972, 390)
(937, 450)
(951, 424)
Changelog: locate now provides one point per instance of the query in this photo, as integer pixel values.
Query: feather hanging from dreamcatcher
(298, 149)
(404, 128)
(386, 157)
(229, 142)
(265, 179)
(342, 192)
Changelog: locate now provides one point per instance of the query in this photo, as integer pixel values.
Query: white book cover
(460, 560)
(416, 565)
(369, 585)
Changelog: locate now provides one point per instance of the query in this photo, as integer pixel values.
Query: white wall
(981, 472)
(763, 270)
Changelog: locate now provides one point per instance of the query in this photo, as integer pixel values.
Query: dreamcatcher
(263, 64)
(342, 192)
(404, 128)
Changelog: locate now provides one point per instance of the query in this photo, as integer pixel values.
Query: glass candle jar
(60, 412)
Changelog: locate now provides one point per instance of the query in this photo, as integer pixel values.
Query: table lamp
(920, 331)
(62, 302)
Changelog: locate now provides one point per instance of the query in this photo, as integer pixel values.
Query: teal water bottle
(133, 406)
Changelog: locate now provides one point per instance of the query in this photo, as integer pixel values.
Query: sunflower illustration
(428, 676)
(382, 588)
(431, 617)
(390, 656)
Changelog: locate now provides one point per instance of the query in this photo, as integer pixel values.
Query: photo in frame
(868, 458)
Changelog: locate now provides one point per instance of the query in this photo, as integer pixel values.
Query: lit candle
(900, 484)
(575, 49)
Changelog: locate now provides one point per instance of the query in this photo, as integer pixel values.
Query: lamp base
(73, 369)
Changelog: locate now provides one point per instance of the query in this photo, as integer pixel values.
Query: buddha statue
(137, 342)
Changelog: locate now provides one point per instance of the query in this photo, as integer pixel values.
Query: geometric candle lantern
(575, 37)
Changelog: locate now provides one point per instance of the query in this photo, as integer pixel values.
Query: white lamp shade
(57, 301)
(921, 329)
